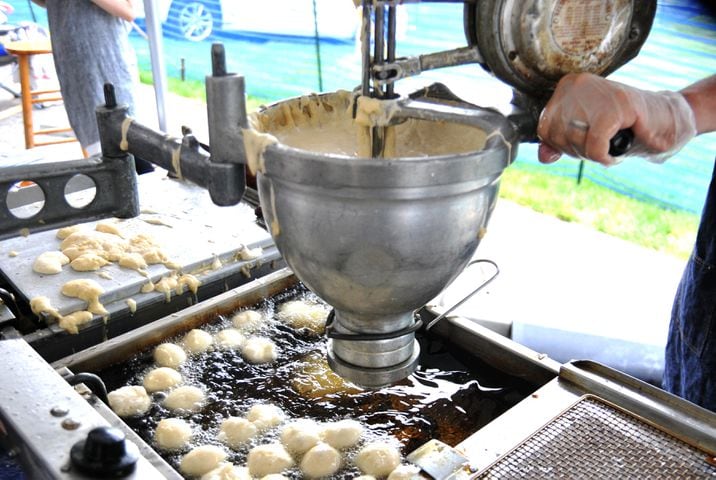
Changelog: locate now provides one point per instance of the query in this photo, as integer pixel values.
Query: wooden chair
(24, 50)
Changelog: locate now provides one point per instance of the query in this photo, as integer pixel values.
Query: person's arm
(119, 8)
(586, 111)
(702, 99)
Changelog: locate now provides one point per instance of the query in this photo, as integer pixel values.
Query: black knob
(621, 142)
(105, 453)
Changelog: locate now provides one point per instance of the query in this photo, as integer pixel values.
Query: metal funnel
(378, 238)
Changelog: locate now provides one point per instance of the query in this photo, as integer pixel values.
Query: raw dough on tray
(88, 262)
(72, 321)
(50, 263)
(87, 290)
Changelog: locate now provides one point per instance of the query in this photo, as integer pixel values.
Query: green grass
(646, 224)
(194, 89)
(649, 225)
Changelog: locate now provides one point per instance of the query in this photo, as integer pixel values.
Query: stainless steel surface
(593, 439)
(354, 230)
(660, 408)
(42, 416)
(642, 403)
(188, 227)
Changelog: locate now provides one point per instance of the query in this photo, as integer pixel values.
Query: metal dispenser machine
(377, 201)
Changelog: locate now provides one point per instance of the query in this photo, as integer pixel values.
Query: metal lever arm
(223, 173)
(388, 73)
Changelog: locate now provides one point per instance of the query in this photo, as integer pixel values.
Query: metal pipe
(365, 47)
(392, 20)
(159, 74)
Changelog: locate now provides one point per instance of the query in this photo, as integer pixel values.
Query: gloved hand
(586, 111)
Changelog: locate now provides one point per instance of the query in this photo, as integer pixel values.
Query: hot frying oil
(448, 404)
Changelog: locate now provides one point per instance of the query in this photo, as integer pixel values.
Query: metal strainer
(593, 439)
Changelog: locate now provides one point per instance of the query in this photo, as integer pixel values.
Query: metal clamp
(369, 337)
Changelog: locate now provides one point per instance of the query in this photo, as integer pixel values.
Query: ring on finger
(579, 124)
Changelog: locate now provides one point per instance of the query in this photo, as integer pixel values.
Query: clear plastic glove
(586, 111)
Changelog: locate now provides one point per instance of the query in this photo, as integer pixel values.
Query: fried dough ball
(187, 398)
(202, 460)
(236, 431)
(259, 350)
(172, 434)
(129, 401)
(267, 459)
(321, 461)
(197, 341)
(229, 338)
(248, 320)
(342, 434)
(303, 314)
(300, 436)
(227, 471)
(169, 355)
(265, 416)
(378, 459)
(404, 472)
(162, 378)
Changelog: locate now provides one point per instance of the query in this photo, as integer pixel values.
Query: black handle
(621, 142)
(93, 382)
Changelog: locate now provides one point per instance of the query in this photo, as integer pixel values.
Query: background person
(584, 113)
(90, 46)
